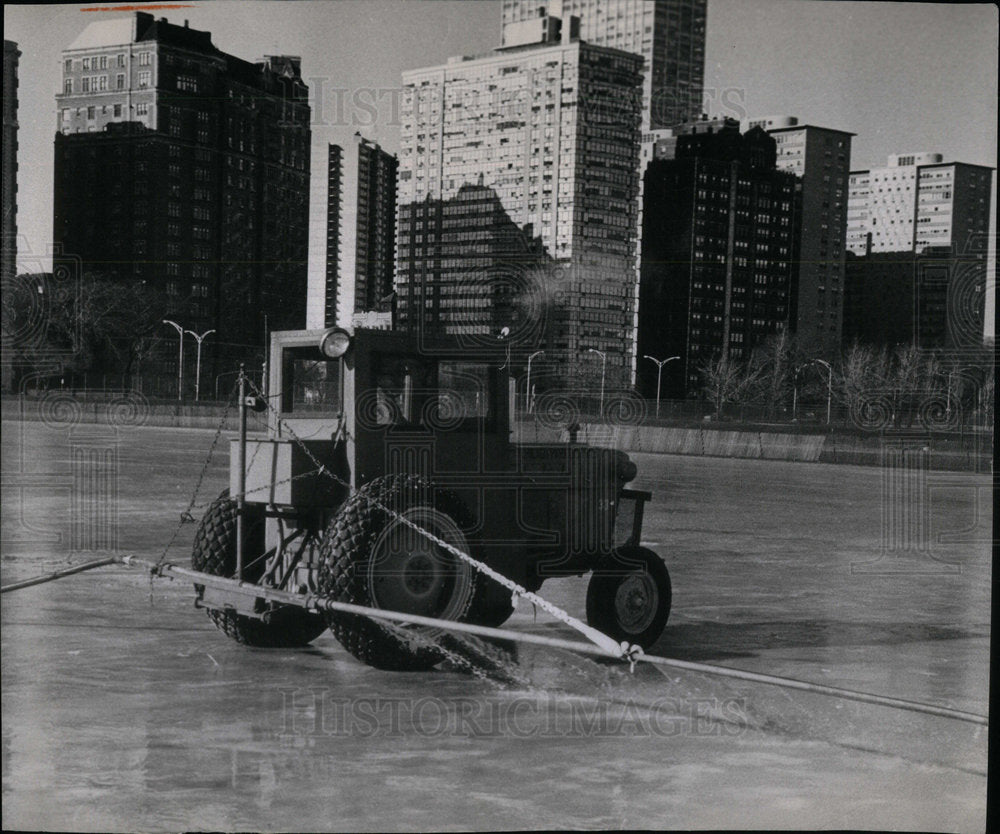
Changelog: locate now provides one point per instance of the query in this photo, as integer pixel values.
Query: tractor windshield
(431, 393)
(312, 385)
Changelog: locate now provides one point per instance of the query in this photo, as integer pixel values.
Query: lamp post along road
(604, 365)
(659, 374)
(528, 387)
(829, 386)
(197, 373)
(180, 358)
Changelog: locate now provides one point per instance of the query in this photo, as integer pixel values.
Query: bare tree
(726, 381)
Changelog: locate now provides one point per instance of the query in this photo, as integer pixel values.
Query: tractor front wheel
(214, 553)
(629, 596)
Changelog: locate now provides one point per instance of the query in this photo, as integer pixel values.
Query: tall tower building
(543, 137)
(11, 54)
(187, 168)
(716, 253)
(820, 157)
(362, 209)
(916, 201)
(668, 34)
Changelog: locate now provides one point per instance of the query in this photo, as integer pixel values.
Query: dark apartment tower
(362, 207)
(10, 61)
(334, 198)
(821, 158)
(718, 235)
(187, 168)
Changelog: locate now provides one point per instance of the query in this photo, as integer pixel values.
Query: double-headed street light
(180, 358)
(659, 373)
(197, 373)
(604, 365)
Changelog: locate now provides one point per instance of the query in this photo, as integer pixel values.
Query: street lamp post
(197, 373)
(528, 390)
(951, 373)
(659, 373)
(829, 386)
(604, 366)
(180, 358)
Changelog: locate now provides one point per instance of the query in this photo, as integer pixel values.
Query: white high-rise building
(916, 201)
(538, 141)
(668, 34)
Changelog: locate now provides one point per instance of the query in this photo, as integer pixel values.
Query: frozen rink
(125, 709)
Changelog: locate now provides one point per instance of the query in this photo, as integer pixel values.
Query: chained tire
(370, 557)
(629, 596)
(214, 552)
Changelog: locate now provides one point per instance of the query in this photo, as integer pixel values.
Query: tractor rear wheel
(629, 596)
(214, 552)
(372, 556)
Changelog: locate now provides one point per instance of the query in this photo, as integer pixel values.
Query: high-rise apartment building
(820, 157)
(668, 34)
(361, 229)
(543, 137)
(717, 249)
(11, 54)
(916, 201)
(187, 168)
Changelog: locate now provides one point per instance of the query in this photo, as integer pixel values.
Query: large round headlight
(335, 342)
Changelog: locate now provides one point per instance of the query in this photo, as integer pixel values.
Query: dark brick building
(717, 243)
(187, 168)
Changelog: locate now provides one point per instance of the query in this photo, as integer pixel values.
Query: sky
(902, 76)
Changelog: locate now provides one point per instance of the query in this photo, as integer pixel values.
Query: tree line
(877, 386)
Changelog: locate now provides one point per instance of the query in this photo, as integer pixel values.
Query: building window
(103, 83)
(121, 59)
(187, 83)
(90, 112)
(144, 79)
(142, 109)
(145, 58)
(86, 63)
(120, 81)
(68, 85)
(69, 65)
(103, 62)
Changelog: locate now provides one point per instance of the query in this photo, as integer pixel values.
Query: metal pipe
(314, 602)
(59, 574)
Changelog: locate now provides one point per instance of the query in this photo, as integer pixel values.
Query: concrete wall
(973, 453)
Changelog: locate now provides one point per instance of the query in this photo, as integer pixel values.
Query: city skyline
(831, 49)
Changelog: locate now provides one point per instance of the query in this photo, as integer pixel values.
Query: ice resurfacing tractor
(389, 478)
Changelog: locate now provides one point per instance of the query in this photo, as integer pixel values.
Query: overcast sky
(902, 76)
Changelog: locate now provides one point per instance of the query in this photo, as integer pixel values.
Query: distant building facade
(718, 239)
(937, 215)
(917, 200)
(542, 139)
(11, 56)
(187, 168)
(821, 158)
(360, 258)
(895, 299)
(668, 34)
